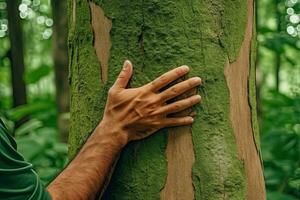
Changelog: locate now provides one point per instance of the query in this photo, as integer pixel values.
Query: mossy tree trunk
(218, 157)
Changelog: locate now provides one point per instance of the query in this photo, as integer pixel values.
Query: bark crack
(180, 158)
(101, 29)
(237, 77)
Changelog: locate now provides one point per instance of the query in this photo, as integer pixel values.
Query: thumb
(124, 76)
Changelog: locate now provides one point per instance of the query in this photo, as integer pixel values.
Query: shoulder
(8, 147)
(18, 179)
(5, 136)
(10, 158)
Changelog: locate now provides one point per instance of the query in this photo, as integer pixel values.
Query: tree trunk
(60, 56)
(278, 51)
(218, 157)
(16, 55)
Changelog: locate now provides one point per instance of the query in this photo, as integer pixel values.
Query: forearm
(86, 174)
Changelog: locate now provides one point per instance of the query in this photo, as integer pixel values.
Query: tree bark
(16, 55)
(218, 157)
(60, 56)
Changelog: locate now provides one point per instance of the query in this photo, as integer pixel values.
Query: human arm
(130, 114)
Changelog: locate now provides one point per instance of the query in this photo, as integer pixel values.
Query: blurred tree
(49, 154)
(60, 54)
(278, 52)
(218, 157)
(16, 56)
(278, 34)
(16, 53)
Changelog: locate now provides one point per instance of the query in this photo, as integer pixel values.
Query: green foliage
(30, 109)
(279, 108)
(281, 144)
(38, 138)
(48, 155)
(37, 74)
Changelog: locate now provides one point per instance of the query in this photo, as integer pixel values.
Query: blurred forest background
(34, 95)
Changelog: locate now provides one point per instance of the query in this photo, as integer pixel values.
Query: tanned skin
(130, 114)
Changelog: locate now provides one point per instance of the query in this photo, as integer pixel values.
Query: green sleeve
(18, 180)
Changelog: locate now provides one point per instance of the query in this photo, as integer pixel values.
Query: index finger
(168, 77)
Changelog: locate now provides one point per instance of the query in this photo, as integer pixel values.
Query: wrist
(112, 132)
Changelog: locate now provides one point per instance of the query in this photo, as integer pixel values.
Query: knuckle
(190, 83)
(175, 122)
(159, 98)
(177, 107)
(163, 79)
(146, 88)
(174, 90)
(192, 101)
(111, 91)
(122, 76)
(153, 83)
(156, 123)
(179, 72)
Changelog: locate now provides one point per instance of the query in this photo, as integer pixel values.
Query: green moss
(234, 21)
(84, 79)
(141, 171)
(157, 36)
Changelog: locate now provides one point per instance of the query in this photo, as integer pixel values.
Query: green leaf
(28, 127)
(35, 75)
(19, 112)
(30, 147)
(295, 181)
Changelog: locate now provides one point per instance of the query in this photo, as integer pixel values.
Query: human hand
(136, 113)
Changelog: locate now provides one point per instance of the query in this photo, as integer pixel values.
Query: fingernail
(197, 79)
(185, 68)
(191, 119)
(197, 97)
(126, 64)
